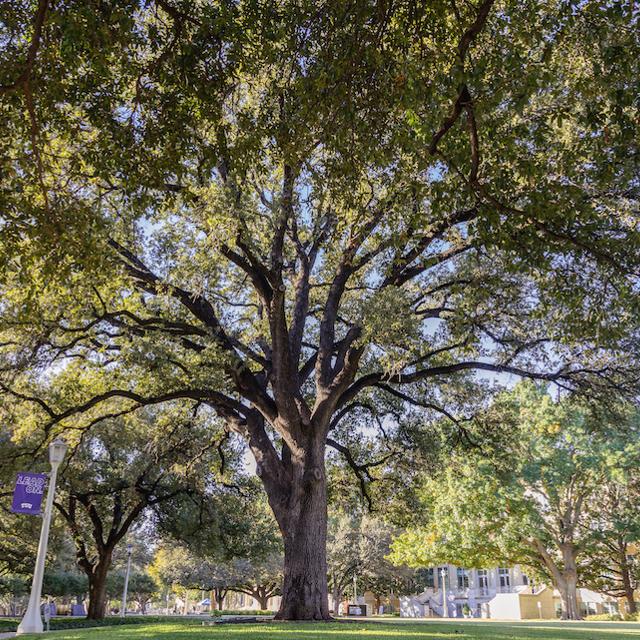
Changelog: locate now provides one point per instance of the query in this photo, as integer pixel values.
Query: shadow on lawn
(366, 631)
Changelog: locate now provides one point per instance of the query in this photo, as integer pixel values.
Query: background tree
(535, 500)
(141, 589)
(19, 533)
(378, 574)
(259, 578)
(244, 556)
(66, 584)
(117, 474)
(11, 588)
(289, 215)
(175, 565)
(357, 548)
(612, 567)
(343, 555)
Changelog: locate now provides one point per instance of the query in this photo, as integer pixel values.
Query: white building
(466, 591)
(500, 593)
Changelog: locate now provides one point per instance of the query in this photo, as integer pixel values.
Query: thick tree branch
(32, 52)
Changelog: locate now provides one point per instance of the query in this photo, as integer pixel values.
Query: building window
(426, 577)
(504, 577)
(525, 579)
(483, 581)
(463, 578)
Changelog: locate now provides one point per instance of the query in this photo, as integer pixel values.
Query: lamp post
(445, 607)
(123, 612)
(32, 622)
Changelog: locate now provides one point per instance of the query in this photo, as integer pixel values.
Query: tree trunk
(569, 599)
(629, 591)
(337, 597)
(568, 585)
(625, 575)
(219, 599)
(98, 589)
(302, 517)
(263, 601)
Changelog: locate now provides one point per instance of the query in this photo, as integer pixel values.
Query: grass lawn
(387, 630)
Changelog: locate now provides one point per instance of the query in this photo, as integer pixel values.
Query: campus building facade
(498, 592)
(452, 591)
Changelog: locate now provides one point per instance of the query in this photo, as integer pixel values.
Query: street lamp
(445, 608)
(123, 612)
(32, 622)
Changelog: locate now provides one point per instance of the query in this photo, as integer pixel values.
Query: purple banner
(27, 496)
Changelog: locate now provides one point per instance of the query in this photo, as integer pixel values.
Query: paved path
(8, 635)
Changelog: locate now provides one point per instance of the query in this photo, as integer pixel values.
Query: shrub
(64, 622)
(8, 624)
(604, 617)
(216, 613)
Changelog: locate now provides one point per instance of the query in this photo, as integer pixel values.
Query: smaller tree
(19, 533)
(141, 588)
(260, 578)
(122, 469)
(62, 583)
(612, 567)
(358, 546)
(243, 552)
(530, 496)
(175, 566)
(12, 587)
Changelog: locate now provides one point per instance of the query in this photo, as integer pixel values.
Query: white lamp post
(32, 621)
(123, 613)
(445, 607)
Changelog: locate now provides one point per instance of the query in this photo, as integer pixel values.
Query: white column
(32, 621)
(123, 611)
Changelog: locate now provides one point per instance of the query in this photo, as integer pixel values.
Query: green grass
(365, 630)
(66, 622)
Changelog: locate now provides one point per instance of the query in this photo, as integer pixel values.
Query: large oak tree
(295, 212)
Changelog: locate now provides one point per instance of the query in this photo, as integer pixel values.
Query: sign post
(32, 621)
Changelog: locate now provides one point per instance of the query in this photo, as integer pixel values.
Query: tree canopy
(295, 213)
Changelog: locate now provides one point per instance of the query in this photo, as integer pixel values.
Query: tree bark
(302, 517)
(628, 587)
(98, 590)
(337, 597)
(569, 599)
(568, 585)
(564, 578)
(219, 595)
(263, 601)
